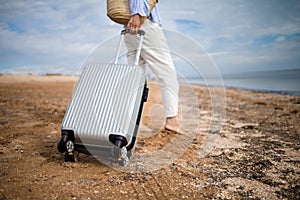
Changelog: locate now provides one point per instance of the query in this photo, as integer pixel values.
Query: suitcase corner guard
(118, 140)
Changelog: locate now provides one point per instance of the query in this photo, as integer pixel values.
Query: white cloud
(61, 33)
(50, 33)
(235, 26)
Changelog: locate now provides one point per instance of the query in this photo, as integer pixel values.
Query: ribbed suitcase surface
(106, 101)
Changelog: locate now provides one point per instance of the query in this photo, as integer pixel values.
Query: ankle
(172, 124)
(171, 120)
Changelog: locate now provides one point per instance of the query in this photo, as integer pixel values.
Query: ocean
(276, 81)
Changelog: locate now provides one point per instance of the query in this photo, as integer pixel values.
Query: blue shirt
(142, 8)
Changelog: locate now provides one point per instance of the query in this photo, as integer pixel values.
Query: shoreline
(287, 93)
(17, 78)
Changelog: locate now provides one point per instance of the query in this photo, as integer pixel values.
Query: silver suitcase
(105, 110)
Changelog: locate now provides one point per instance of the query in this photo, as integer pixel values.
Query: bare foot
(172, 124)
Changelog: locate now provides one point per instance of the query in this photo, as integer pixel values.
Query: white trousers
(155, 53)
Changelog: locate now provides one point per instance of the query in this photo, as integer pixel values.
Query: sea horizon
(285, 82)
(273, 81)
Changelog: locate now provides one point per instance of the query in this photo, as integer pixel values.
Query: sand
(254, 156)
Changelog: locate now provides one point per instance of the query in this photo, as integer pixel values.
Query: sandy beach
(256, 154)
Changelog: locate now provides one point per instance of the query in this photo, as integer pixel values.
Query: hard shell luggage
(105, 109)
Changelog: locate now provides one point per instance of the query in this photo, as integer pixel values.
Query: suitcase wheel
(69, 154)
(121, 155)
(124, 161)
(123, 152)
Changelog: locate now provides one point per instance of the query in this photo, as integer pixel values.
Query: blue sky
(55, 36)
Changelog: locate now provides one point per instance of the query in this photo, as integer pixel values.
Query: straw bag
(118, 10)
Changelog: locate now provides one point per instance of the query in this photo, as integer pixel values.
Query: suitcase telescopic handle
(141, 33)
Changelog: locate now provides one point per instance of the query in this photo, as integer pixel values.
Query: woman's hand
(134, 23)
